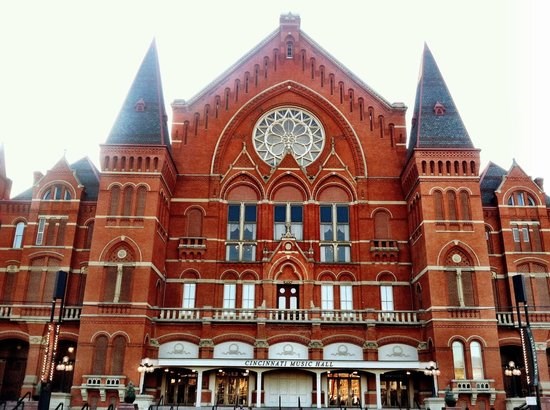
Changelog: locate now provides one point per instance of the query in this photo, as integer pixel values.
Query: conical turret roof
(436, 122)
(142, 119)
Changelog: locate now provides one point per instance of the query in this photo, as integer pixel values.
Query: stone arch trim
(189, 272)
(285, 180)
(295, 338)
(309, 94)
(237, 337)
(445, 249)
(113, 243)
(343, 339)
(398, 339)
(279, 265)
(245, 179)
(334, 180)
(178, 337)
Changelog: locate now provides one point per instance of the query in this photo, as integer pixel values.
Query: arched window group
(452, 206)
(128, 200)
(108, 358)
(521, 198)
(461, 370)
(57, 192)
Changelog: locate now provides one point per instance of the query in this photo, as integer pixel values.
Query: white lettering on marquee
(289, 363)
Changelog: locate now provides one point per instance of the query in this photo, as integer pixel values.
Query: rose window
(288, 130)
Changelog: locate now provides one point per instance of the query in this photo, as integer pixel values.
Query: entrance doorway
(13, 362)
(287, 389)
(395, 389)
(181, 387)
(232, 387)
(344, 389)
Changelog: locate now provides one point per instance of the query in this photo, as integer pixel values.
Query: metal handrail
(20, 401)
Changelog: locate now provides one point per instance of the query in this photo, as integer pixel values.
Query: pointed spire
(436, 122)
(142, 119)
(2, 162)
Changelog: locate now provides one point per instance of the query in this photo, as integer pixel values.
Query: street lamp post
(144, 367)
(64, 367)
(513, 372)
(433, 370)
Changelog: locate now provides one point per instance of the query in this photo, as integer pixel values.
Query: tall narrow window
(458, 361)
(451, 202)
(40, 231)
(382, 225)
(141, 196)
(477, 360)
(115, 201)
(346, 297)
(127, 201)
(335, 245)
(289, 49)
(119, 350)
(288, 221)
(18, 236)
(241, 232)
(248, 296)
(99, 355)
(229, 295)
(465, 211)
(188, 295)
(327, 298)
(438, 205)
(386, 297)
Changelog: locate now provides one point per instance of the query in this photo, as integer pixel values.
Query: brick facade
(285, 247)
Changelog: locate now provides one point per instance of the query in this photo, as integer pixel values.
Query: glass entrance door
(231, 388)
(344, 389)
(181, 387)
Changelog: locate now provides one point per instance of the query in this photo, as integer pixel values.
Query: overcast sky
(66, 66)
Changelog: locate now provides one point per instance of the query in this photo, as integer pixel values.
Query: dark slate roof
(490, 181)
(26, 195)
(147, 126)
(87, 174)
(429, 130)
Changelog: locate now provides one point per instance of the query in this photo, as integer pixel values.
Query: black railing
(59, 406)
(20, 402)
(85, 406)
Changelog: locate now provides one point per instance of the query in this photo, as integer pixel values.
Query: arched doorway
(13, 362)
(395, 389)
(344, 389)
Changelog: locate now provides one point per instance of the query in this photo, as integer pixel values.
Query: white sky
(66, 66)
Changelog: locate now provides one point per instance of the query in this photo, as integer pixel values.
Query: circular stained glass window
(292, 130)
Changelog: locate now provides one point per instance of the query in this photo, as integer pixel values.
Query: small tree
(130, 393)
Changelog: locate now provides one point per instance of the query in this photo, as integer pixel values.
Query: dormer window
(140, 105)
(57, 192)
(439, 109)
(521, 198)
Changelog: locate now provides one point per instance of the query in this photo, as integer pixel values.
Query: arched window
(460, 280)
(521, 198)
(99, 355)
(141, 196)
(477, 360)
(465, 210)
(127, 201)
(382, 225)
(194, 223)
(115, 200)
(451, 205)
(119, 271)
(89, 235)
(438, 206)
(57, 192)
(42, 274)
(119, 349)
(289, 49)
(18, 236)
(459, 363)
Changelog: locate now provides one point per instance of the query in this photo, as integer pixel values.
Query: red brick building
(281, 245)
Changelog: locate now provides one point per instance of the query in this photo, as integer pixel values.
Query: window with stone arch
(459, 362)
(119, 270)
(117, 356)
(194, 223)
(438, 206)
(42, 274)
(99, 355)
(382, 225)
(521, 198)
(57, 192)
(460, 278)
(537, 292)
